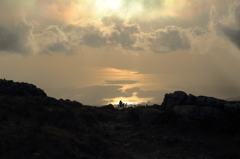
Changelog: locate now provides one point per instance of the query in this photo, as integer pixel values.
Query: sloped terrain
(41, 127)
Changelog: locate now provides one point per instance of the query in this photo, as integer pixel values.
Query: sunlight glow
(108, 4)
(134, 100)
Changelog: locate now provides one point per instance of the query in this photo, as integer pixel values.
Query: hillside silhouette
(35, 126)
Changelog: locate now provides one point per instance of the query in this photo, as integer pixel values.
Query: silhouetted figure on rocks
(121, 104)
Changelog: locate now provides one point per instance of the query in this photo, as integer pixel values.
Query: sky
(102, 51)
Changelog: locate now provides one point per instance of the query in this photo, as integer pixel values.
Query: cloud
(94, 38)
(125, 35)
(224, 29)
(197, 31)
(233, 35)
(230, 25)
(128, 6)
(121, 82)
(169, 39)
(53, 39)
(17, 38)
(70, 38)
(154, 4)
(130, 36)
(111, 31)
(122, 33)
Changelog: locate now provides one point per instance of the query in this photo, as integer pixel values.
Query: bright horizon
(102, 51)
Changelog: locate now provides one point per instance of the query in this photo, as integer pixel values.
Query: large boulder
(172, 99)
(181, 98)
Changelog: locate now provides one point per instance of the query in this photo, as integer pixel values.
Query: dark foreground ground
(46, 128)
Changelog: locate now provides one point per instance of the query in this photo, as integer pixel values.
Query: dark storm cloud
(169, 39)
(16, 38)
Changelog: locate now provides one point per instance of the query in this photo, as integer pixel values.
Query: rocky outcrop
(172, 99)
(202, 110)
(210, 101)
(11, 88)
(181, 98)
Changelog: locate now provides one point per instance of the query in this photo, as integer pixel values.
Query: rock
(172, 99)
(192, 100)
(210, 101)
(204, 115)
(181, 98)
